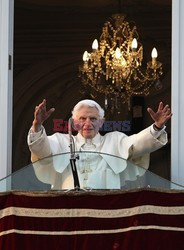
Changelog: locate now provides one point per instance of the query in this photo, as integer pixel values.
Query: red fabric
(132, 220)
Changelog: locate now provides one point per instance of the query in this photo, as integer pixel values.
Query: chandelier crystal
(114, 67)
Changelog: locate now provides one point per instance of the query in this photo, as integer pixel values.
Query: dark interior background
(50, 37)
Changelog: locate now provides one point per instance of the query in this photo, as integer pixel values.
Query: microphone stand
(73, 158)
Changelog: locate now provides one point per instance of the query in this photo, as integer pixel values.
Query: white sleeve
(38, 144)
(155, 133)
(32, 136)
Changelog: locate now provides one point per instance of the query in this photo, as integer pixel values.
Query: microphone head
(75, 125)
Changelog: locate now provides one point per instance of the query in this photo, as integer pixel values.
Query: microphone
(70, 137)
(72, 156)
(76, 126)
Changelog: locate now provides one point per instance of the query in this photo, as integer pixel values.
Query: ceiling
(69, 27)
(93, 3)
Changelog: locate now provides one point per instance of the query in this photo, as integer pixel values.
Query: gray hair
(89, 103)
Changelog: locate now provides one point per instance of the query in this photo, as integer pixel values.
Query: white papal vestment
(96, 171)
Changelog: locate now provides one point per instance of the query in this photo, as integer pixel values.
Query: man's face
(89, 119)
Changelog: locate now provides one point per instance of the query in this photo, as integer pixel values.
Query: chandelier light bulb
(134, 44)
(154, 53)
(85, 56)
(95, 44)
(117, 53)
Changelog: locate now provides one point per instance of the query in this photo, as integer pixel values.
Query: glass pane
(94, 171)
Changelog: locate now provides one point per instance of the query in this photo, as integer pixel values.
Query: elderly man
(97, 170)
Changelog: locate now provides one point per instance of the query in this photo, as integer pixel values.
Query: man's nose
(87, 122)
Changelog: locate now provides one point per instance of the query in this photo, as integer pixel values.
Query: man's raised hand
(40, 115)
(161, 116)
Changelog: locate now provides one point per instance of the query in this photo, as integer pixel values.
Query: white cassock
(98, 170)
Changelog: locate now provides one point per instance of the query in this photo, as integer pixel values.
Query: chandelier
(115, 65)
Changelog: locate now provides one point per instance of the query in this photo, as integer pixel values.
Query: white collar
(81, 140)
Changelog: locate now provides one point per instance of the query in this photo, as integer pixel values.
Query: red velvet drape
(133, 220)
